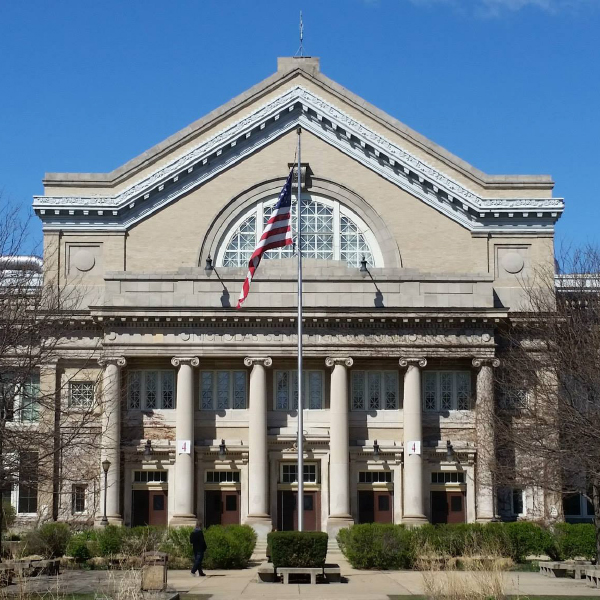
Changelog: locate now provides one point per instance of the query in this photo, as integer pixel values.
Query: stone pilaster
(339, 475)
(486, 448)
(111, 438)
(414, 506)
(258, 497)
(184, 513)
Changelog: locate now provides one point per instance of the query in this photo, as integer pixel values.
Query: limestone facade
(398, 360)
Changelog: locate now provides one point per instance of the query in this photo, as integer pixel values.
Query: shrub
(575, 540)
(528, 538)
(78, 547)
(177, 543)
(8, 516)
(298, 548)
(50, 540)
(229, 547)
(377, 546)
(110, 539)
(138, 540)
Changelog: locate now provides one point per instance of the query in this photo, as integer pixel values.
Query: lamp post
(105, 468)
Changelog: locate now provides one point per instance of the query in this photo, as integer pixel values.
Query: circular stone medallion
(84, 260)
(513, 262)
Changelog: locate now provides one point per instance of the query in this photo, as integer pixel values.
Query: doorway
(448, 507)
(287, 513)
(375, 506)
(149, 507)
(221, 507)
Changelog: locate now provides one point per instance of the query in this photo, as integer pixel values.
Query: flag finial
(301, 49)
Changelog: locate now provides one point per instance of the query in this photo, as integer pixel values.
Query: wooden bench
(312, 571)
(592, 577)
(563, 568)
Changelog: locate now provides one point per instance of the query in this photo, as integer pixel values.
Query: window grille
(150, 390)
(448, 477)
(81, 394)
(289, 473)
(286, 390)
(375, 390)
(375, 477)
(222, 476)
(220, 390)
(150, 476)
(446, 390)
(329, 232)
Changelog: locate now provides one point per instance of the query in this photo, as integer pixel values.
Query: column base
(262, 525)
(182, 521)
(334, 524)
(112, 520)
(414, 521)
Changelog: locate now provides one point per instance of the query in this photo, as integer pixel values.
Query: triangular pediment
(297, 105)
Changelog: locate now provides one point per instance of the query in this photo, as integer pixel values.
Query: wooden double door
(149, 507)
(287, 510)
(375, 506)
(221, 507)
(448, 507)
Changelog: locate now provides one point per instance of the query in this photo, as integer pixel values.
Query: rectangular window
(19, 401)
(446, 390)
(448, 477)
(375, 477)
(374, 390)
(28, 483)
(150, 390)
(286, 390)
(78, 495)
(150, 476)
(220, 390)
(81, 394)
(222, 476)
(289, 473)
(511, 502)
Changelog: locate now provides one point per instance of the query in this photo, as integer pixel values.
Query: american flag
(277, 233)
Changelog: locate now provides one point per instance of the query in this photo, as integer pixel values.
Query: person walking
(199, 547)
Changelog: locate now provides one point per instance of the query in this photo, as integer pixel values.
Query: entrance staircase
(333, 551)
(260, 551)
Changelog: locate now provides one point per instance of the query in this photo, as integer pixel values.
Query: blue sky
(511, 86)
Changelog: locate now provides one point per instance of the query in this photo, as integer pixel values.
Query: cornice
(272, 120)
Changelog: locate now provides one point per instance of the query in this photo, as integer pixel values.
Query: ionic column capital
(415, 362)
(332, 361)
(265, 361)
(193, 361)
(119, 361)
(485, 362)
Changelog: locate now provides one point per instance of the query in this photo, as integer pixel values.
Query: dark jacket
(197, 540)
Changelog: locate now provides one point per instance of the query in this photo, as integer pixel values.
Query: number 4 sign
(413, 448)
(183, 446)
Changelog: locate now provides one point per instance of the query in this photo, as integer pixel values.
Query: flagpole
(300, 499)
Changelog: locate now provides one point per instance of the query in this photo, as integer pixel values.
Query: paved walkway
(363, 585)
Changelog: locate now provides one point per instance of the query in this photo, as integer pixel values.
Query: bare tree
(548, 413)
(38, 429)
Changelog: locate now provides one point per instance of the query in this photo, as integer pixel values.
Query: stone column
(184, 513)
(339, 476)
(486, 449)
(258, 497)
(111, 439)
(414, 507)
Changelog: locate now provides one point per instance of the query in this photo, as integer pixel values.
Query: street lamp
(105, 468)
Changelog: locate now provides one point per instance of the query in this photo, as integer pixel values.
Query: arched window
(330, 231)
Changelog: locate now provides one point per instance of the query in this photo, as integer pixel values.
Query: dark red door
(212, 508)
(287, 513)
(157, 507)
(230, 508)
(448, 507)
(383, 504)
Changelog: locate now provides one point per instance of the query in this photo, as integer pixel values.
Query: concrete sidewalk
(366, 585)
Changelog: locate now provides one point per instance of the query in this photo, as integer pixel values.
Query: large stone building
(399, 350)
